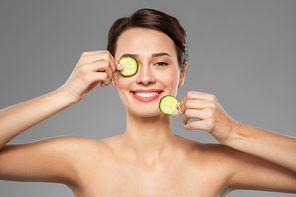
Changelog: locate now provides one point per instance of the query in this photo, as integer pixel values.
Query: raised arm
(93, 68)
(18, 118)
(269, 154)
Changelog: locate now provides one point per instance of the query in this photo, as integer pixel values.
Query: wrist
(236, 134)
(65, 96)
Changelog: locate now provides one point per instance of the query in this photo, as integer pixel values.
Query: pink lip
(148, 90)
(146, 99)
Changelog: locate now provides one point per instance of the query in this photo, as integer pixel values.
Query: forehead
(144, 42)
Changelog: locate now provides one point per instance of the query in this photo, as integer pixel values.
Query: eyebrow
(153, 55)
(160, 54)
(129, 55)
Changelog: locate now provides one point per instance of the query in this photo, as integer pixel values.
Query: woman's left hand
(210, 115)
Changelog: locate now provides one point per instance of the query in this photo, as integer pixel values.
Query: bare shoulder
(74, 143)
(60, 144)
(72, 148)
(211, 154)
(86, 146)
(210, 163)
(91, 149)
(56, 159)
(81, 142)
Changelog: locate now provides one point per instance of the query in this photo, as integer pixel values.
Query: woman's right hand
(94, 67)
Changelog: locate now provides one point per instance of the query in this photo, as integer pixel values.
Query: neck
(150, 138)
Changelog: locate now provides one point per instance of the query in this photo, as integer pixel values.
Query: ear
(182, 74)
(113, 80)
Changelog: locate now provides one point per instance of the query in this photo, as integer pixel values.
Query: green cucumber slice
(130, 66)
(167, 104)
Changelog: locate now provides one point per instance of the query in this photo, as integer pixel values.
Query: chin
(146, 113)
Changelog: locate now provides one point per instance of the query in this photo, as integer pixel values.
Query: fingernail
(119, 67)
(178, 104)
(175, 113)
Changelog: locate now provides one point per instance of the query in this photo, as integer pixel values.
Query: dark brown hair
(151, 19)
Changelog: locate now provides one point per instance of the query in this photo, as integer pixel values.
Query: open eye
(161, 64)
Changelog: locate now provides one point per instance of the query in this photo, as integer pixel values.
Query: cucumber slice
(167, 104)
(130, 66)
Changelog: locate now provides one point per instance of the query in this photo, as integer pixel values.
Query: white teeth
(146, 94)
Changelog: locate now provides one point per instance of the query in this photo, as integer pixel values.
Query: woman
(148, 159)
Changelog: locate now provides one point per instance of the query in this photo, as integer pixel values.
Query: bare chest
(164, 180)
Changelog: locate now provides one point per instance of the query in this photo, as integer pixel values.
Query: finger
(101, 66)
(94, 78)
(119, 67)
(193, 104)
(104, 66)
(91, 57)
(197, 125)
(103, 78)
(193, 95)
(103, 84)
(94, 53)
(99, 71)
(196, 114)
(87, 53)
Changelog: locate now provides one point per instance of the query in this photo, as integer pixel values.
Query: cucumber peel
(130, 66)
(167, 104)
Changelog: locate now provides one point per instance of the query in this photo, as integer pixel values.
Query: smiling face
(158, 71)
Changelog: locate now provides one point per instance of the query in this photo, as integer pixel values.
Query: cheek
(122, 84)
(170, 79)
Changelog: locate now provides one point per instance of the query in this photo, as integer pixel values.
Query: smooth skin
(148, 159)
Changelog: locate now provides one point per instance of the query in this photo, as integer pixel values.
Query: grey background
(244, 52)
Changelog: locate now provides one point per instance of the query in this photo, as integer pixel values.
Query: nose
(145, 75)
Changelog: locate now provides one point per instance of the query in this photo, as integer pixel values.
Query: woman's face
(158, 72)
